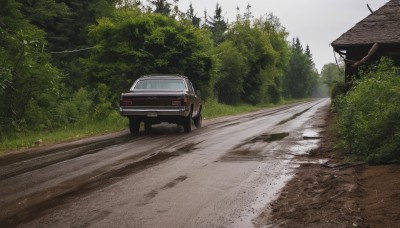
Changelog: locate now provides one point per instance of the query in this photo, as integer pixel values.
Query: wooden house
(376, 36)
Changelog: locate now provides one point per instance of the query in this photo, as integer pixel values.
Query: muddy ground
(337, 193)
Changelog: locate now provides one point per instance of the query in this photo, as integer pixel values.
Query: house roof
(382, 26)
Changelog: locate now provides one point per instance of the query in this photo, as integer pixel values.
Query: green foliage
(104, 107)
(217, 25)
(114, 122)
(161, 6)
(368, 119)
(338, 88)
(330, 73)
(301, 77)
(261, 59)
(67, 113)
(65, 24)
(193, 17)
(229, 85)
(29, 83)
(132, 44)
(213, 109)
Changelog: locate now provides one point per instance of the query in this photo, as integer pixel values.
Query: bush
(102, 111)
(338, 88)
(368, 120)
(67, 113)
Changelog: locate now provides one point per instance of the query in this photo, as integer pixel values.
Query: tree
(248, 15)
(229, 85)
(29, 84)
(131, 44)
(192, 16)
(217, 25)
(300, 76)
(165, 7)
(65, 24)
(255, 46)
(129, 4)
(330, 73)
(277, 36)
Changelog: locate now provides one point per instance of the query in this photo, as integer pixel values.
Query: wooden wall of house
(356, 53)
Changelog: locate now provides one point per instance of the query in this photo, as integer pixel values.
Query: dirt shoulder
(336, 193)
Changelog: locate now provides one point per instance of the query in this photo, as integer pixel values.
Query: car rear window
(163, 84)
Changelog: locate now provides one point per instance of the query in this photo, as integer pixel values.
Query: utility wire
(77, 50)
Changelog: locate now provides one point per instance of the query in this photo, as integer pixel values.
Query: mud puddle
(254, 148)
(270, 137)
(36, 204)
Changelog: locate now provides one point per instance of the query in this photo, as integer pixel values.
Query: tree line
(66, 62)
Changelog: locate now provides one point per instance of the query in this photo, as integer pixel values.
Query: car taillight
(185, 100)
(126, 102)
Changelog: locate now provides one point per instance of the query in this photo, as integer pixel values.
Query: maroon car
(154, 99)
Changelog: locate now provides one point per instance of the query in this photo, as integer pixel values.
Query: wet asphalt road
(222, 175)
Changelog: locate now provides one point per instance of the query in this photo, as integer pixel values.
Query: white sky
(316, 22)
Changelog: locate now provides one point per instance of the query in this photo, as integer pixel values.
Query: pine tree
(300, 76)
(217, 25)
(193, 17)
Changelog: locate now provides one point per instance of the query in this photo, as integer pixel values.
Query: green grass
(212, 109)
(69, 133)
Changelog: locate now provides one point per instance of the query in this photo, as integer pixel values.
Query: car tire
(198, 121)
(187, 123)
(134, 126)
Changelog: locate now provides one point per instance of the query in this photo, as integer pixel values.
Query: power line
(77, 50)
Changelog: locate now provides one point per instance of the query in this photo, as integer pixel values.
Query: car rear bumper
(153, 112)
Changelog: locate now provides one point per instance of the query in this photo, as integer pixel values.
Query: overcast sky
(316, 22)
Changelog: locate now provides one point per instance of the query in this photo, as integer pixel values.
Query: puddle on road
(187, 148)
(311, 134)
(304, 147)
(269, 138)
(252, 150)
(311, 161)
(247, 153)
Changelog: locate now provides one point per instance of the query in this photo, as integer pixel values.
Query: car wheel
(198, 121)
(134, 126)
(187, 123)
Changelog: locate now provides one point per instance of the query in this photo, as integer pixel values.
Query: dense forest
(66, 62)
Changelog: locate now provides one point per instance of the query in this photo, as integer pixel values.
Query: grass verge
(68, 133)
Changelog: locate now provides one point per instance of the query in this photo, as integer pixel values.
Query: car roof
(169, 76)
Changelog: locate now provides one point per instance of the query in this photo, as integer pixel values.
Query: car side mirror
(198, 92)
